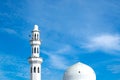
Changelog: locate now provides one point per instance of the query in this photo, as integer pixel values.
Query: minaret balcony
(35, 42)
(35, 60)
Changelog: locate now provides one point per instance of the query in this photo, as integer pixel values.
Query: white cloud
(114, 68)
(104, 42)
(63, 50)
(46, 71)
(16, 67)
(8, 30)
(57, 60)
(2, 76)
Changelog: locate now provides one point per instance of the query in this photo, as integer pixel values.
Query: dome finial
(35, 27)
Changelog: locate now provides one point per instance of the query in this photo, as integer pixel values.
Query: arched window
(38, 69)
(35, 50)
(35, 36)
(34, 69)
(31, 69)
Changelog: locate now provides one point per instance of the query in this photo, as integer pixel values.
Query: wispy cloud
(57, 60)
(104, 42)
(13, 65)
(111, 65)
(64, 50)
(47, 71)
(9, 31)
(114, 68)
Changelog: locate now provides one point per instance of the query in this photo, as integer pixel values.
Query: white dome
(79, 71)
(35, 27)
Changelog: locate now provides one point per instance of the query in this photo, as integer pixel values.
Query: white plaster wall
(36, 76)
(35, 54)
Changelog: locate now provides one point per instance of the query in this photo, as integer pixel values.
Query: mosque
(78, 71)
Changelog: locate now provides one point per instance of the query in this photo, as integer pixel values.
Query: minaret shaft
(35, 60)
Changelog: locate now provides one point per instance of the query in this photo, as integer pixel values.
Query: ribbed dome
(79, 71)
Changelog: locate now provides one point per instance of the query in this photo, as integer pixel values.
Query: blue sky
(86, 31)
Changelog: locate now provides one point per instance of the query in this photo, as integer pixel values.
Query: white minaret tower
(35, 60)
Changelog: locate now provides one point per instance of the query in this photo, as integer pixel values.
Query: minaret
(35, 60)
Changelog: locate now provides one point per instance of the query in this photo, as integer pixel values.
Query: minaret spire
(35, 60)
